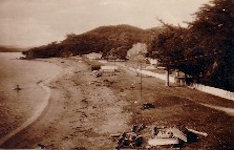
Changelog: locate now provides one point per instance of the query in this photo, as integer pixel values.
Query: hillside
(112, 41)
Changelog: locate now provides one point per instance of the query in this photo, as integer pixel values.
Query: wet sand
(18, 109)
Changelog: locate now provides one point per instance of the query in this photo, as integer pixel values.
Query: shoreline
(39, 109)
(77, 114)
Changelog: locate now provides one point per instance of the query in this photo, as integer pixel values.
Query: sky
(27, 23)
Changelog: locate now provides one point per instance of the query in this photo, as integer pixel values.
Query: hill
(112, 41)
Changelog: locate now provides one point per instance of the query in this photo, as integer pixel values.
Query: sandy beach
(84, 110)
(20, 108)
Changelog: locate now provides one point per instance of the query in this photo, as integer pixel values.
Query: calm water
(17, 107)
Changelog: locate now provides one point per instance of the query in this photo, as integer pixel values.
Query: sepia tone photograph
(117, 74)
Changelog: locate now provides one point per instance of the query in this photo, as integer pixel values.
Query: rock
(138, 141)
(99, 75)
(192, 137)
(141, 127)
(134, 128)
(41, 146)
(129, 140)
(132, 86)
(147, 106)
(95, 67)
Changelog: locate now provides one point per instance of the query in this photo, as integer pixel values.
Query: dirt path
(229, 111)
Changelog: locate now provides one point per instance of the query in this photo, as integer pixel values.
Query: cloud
(35, 22)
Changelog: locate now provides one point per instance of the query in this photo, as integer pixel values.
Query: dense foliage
(203, 50)
(112, 41)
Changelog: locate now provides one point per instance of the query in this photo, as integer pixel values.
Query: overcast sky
(29, 23)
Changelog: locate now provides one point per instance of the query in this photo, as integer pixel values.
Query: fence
(215, 91)
(207, 89)
(153, 74)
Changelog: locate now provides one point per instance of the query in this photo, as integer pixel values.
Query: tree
(204, 48)
(212, 32)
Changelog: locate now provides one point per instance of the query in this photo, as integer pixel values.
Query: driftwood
(163, 141)
(198, 132)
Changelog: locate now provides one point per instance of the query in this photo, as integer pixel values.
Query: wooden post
(141, 80)
(167, 76)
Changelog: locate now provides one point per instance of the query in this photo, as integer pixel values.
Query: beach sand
(84, 110)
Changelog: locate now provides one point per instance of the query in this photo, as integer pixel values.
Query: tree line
(112, 41)
(204, 49)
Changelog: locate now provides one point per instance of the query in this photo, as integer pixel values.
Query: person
(17, 88)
